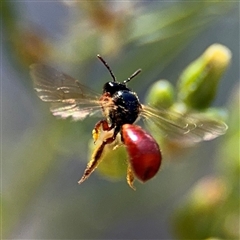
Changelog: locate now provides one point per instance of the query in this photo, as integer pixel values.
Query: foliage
(211, 207)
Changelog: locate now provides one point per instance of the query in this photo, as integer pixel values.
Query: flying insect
(121, 108)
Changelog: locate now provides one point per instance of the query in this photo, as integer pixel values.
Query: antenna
(133, 75)
(109, 69)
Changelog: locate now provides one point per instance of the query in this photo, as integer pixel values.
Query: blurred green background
(196, 193)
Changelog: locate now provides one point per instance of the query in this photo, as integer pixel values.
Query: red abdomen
(144, 153)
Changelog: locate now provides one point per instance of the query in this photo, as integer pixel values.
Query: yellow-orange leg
(96, 157)
(96, 130)
(130, 177)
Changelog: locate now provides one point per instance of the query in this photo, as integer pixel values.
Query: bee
(121, 108)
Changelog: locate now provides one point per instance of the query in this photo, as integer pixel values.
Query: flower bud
(161, 94)
(198, 83)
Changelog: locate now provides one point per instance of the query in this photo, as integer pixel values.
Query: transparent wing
(67, 96)
(188, 129)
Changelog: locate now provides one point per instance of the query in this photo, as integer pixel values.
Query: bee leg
(96, 157)
(96, 130)
(92, 165)
(130, 177)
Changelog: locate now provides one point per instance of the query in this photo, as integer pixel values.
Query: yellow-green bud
(160, 94)
(198, 83)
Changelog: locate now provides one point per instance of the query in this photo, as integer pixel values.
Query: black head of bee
(126, 106)
(113, 87)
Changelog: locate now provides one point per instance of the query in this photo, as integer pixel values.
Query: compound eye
(113, 87)
(109, 87)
